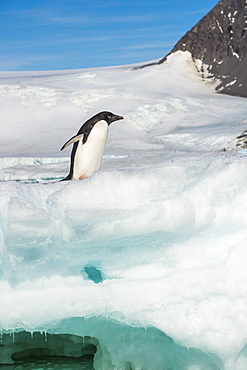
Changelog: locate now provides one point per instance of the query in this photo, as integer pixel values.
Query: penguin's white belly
(88, 156)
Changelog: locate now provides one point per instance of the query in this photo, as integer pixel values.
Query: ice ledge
(114, 345)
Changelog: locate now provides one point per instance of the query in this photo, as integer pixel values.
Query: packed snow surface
(148, 256)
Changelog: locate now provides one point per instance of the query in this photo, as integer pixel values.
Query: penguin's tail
(66, 178)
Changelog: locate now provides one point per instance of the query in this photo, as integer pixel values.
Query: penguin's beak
(117, 118)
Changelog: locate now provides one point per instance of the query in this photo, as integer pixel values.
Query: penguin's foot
(83, 177)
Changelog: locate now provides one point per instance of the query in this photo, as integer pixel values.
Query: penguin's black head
(110, 117)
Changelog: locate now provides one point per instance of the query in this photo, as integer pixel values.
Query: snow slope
(155, 240)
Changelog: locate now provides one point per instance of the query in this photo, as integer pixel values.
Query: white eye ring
(109, 117)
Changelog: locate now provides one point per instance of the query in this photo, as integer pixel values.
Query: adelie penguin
(89, 145)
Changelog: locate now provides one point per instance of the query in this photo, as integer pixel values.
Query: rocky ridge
(218, 46)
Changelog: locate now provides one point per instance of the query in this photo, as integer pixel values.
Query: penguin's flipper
(72, 140)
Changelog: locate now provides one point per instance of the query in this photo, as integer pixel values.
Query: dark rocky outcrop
(219, 41)
(241, 142)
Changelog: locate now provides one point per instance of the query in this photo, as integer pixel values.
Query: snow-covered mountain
(218, 46)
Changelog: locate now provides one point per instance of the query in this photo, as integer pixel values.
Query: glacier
(143, 265)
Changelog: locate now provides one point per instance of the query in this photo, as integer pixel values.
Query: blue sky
(70, 34)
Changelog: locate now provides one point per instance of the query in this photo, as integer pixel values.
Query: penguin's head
(110, 117)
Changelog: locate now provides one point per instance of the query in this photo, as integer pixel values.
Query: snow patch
(231, 83)
(219, 26)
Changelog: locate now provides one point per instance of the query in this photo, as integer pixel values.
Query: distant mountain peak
(218, 46)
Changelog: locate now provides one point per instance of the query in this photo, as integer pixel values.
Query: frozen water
(46, 351)
(148, 256)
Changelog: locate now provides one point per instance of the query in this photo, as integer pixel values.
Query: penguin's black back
(72, 159)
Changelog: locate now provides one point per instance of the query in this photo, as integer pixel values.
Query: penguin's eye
(109, 117)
